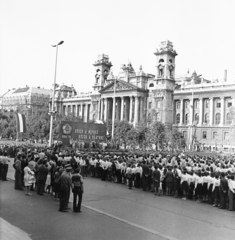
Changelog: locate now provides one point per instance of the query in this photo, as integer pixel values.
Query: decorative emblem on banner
(67, 129)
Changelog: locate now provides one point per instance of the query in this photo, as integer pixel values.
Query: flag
(20, 123)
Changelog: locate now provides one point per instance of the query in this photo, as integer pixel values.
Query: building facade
(28, 100)
(177, 102)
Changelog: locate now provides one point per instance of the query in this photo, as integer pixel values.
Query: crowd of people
(204, 179)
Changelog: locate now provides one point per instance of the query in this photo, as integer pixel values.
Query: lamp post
(52, 112)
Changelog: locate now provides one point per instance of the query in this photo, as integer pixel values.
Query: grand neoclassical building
(177, 102)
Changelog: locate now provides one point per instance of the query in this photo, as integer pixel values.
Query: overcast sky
(202, 32)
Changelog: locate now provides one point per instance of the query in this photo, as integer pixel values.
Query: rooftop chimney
(225, 75)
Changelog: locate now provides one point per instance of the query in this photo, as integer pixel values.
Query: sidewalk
(10, 232)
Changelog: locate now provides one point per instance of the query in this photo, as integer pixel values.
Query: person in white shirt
(198, 187)
(209, 187)
(92, 166)
(215, 190)
(184, 184)
(129, 176)
(82, 165)
(104, 165)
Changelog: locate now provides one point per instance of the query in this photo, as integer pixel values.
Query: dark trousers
(4, 172)
(104, 174)
(223, 198)
(41, 186)
(64, 196)
(145, 182)
(77, 200)
(130, 179)
(1, 171)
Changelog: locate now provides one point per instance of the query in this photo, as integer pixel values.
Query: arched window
(228, 118)
(206, 118)
(151, 85)
(177, 118)
(186, 118)
(217, 118)
(196, 117)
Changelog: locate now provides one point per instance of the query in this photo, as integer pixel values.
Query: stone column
(98, 118)
(222, 111)
(113, 109)
(101, 108)
(130, 112)
(211, 110)
(191, 110)
(181, 111)
(136, 109)
(200, 111)
(80, 110)
(141, 108)
(122, 108)
(76, 111)
(105, 108)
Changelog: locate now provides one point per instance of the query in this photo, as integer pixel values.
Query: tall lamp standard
(52, 112)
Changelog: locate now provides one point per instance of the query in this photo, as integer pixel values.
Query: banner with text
(82, 132)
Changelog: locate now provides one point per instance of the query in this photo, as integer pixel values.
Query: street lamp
(52, 112)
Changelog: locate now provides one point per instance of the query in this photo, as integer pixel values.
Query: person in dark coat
(156, 180)
(223, 191)
(18, 171)
(145, 174)
(42, 177)
(65, 186)
(77, 185)
(169, 181)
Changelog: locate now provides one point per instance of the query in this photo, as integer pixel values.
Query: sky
(202, 32)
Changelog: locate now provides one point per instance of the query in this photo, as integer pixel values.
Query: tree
(123, 133)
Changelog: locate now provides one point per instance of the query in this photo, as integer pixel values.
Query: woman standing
(29, 178)
(17, 167)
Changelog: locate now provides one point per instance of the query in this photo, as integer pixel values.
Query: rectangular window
(214, 136)
(218, 104)
(204, 135)
(226, 136)
(150, 105)
(229, 104)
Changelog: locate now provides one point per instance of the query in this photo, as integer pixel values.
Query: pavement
(111, 211)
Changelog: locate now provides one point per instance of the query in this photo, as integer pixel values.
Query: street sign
(81, 132)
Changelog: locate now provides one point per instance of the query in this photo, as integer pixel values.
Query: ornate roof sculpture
(166, 46)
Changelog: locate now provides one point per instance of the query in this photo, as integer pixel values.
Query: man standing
(65, 185)
(156, 180)
(145, 174)
(223, 191)
(77, 185)
(42, 177)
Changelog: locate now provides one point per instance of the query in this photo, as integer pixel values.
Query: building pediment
(120, 86)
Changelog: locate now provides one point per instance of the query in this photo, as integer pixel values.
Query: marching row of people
(203, 179)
